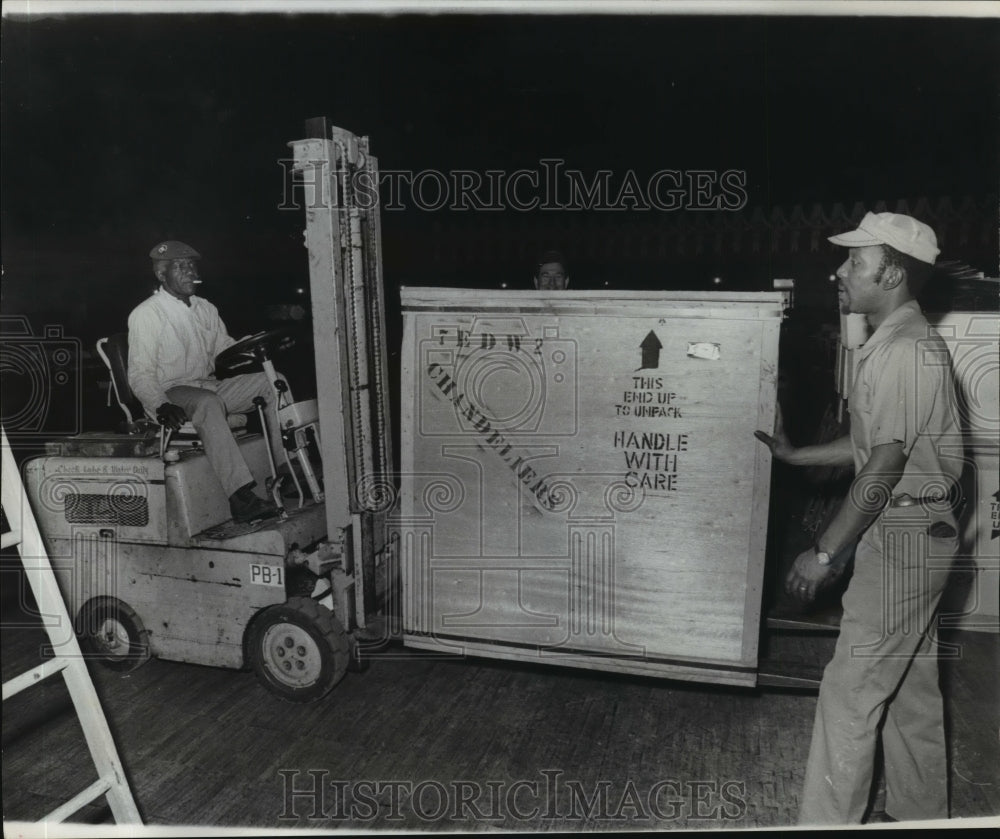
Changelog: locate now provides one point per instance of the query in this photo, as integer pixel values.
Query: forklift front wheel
(111, 632)
(298, 649)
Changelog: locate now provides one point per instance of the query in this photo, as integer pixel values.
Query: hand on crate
(778, 443)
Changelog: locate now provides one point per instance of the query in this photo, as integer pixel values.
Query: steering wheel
(246, 355)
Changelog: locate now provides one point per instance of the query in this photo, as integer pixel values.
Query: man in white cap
(905, 445)
(174, 337)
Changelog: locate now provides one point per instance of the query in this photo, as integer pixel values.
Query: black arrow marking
(650, 347)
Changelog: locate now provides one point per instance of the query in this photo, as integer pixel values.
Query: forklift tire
(298, 649)
(112, 633)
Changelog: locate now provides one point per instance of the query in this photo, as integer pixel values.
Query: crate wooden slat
(581, 484)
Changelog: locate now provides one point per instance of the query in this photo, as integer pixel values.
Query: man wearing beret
(173, 339)
(904, 435)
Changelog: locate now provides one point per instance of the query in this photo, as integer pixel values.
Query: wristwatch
(822, 557)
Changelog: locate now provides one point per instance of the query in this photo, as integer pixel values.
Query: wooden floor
(446, 745)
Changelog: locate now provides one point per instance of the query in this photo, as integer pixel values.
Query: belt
(926, 501)
(941, 529)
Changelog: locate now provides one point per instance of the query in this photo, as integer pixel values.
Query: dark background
(123, 130)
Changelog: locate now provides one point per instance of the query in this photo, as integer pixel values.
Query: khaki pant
(883, 678)
(207, 410)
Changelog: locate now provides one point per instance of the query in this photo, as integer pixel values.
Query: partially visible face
(551, 276)
(181, 277)
(858, 280)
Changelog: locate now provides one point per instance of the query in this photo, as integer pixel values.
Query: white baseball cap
(904, 233)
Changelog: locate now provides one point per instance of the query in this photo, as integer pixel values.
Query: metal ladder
(68, 658)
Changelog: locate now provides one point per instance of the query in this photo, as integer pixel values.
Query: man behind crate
(551, 272)
(173, 339)
(883, 678)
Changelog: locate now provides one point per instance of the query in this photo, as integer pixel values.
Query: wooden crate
(581, 485)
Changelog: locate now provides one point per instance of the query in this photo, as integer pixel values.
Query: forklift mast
(339, 180)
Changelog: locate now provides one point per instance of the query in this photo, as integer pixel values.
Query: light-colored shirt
(171, 344)
(904, 392)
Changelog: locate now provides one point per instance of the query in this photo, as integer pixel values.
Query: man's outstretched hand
(778, 443)
(170, 415)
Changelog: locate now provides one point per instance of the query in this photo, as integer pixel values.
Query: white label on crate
(267, 575)
(704, 349)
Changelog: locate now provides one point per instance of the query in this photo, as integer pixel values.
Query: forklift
(150, 563)
(138, 527)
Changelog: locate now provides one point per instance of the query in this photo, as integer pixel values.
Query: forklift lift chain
(297, 649)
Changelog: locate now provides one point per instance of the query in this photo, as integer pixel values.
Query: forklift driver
(174, 337)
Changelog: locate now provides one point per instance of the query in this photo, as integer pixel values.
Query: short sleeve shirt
(904, 393)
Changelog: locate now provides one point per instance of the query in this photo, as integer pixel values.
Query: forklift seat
(113, 351)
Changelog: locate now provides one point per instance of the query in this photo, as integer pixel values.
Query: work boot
(245, 506)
